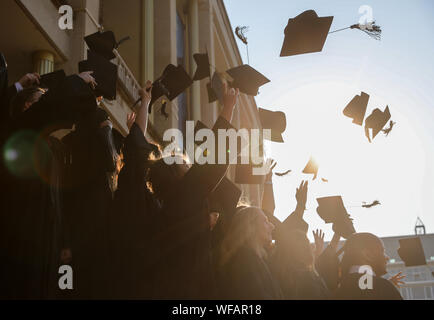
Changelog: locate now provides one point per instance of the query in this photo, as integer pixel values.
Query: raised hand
(131, 117)
(87, 78)
(301, 195)
(142, 112)
(318, 235)
(230, 97)
(146, 94)
(397, 279)
(29, 80)
(270, 165)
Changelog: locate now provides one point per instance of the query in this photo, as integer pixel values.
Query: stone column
(165, 53)
(193, 27)
(147, 41)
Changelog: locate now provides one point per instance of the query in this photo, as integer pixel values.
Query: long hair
(241, 232)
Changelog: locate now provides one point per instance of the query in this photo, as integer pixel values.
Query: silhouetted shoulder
(382, 289)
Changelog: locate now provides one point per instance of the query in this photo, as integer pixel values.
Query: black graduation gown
(382, 289)
(134, 210)
(89, 204)
(27, 207)
(327, 266)
(181, 245)
(247, 277)
(296, 281)
(304, 285)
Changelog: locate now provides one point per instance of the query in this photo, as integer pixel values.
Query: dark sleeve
(387, 290)
(71, 101)
(201, 180)
(294, 222)
(5, 102)
(268, 203)
(327, 266)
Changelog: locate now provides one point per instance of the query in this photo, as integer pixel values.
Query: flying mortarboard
(211, 94)
(224, 199)
(306, 33)
(311, 168)
(356, 109)
(217, 87)
(203, 66)
(332, 210)
(104, 43)
(104, 72)
(274, 120)
(51, 80)
(411, 252)
(247, 79)
(173, 81)
(376, 121)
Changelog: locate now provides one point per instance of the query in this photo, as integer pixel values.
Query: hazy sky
(313, 89)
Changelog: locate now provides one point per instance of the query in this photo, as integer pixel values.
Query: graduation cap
(51, 80)
(244, 174)
(203, 66)
(370, 28)
(247, 79)
(172, 82)
(356, 109)
(411, 252)
(104, 72)
(211, 94)
(274, 120)
(216, 87)
(224, 199)
(376, 121)
(332, 210)
(104, 43)
(311, 168)
(306, 33)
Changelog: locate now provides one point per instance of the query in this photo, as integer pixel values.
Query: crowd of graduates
(132, 226)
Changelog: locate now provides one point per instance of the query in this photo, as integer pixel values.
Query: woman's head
(295, 250)
(163, 179)
(249, 227)
(364, 249)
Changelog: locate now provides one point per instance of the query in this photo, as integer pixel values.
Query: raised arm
(142, 112)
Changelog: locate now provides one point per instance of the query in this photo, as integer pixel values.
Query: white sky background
(313, 89)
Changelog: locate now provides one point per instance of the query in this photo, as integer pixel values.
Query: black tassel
(373, 204)
(371, 29)
(283, 173)
(241, 33)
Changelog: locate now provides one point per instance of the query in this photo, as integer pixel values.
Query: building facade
(419, 280)
(161, 31)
